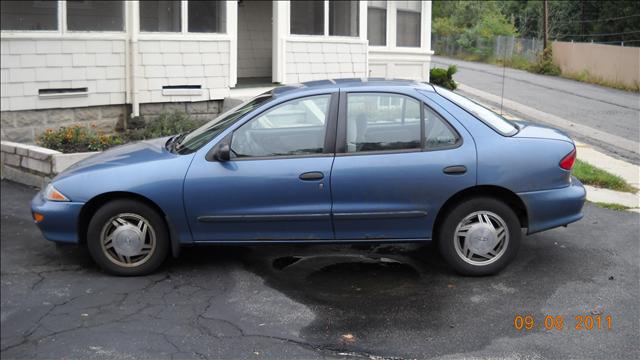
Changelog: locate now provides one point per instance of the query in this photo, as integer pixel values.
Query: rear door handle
(455, 170)
(312, 175)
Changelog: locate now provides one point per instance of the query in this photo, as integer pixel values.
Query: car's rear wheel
(479, 236)
(127, 237)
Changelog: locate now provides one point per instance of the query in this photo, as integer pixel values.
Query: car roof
(351, 83)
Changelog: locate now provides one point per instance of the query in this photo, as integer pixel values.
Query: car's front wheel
(479, 236)
(127, 237)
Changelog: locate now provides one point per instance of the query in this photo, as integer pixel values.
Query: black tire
(446, 239)
(105, 214)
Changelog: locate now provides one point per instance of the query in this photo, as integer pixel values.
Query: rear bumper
(548, 209)
(60, 221)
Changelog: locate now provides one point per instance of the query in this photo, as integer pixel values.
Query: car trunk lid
(537, 131)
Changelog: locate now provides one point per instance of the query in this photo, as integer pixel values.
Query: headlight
(51, 194)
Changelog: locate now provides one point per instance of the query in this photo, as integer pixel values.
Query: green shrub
(545, 64)
(77, 138)
(444, 78)
(168, 123)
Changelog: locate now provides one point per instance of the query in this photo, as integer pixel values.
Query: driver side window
(296, 127)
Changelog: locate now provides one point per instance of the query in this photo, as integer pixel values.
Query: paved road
(284, 302)
(612, 111)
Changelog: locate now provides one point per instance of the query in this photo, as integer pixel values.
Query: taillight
(568, 161)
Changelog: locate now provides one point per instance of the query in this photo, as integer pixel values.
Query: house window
(29, 15)
(343, 18)
(408, 23)
(163, 16)
(95, 15)
(207, 17)
(377, 23)
(307, 17)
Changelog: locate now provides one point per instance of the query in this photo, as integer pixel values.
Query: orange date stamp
(558, 322)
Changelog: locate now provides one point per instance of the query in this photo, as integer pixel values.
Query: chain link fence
(500, 47)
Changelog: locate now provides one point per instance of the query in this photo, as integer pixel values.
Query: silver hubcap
(128, 240)
(481, 238)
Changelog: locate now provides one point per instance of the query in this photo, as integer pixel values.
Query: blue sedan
(333, 161)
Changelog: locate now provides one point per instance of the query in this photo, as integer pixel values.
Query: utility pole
(583, 17)
(545, 24)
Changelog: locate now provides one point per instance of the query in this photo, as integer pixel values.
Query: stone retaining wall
(26, 125)
(200, 110)
(33, 165)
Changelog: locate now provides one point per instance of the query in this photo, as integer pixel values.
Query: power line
(618, 41)
(608, 34)
(598, 20)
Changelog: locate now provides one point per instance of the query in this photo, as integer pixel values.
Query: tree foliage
(583, 20)
(471, 24)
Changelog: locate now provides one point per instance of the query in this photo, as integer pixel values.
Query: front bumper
(548, 209)
(60, 221)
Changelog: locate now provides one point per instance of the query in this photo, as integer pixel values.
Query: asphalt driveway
(320, 301)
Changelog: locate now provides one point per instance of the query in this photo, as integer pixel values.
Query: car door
(397, 162)
(276, 184)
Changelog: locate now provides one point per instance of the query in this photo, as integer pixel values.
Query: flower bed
(36, 165)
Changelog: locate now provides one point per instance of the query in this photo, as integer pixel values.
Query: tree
(584, 20)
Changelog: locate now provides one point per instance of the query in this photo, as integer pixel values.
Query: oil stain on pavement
(321, 301)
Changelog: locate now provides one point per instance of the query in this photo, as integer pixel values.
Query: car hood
(537, 131)
(124, 155)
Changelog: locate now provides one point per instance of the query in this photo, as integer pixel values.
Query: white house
(71, 61)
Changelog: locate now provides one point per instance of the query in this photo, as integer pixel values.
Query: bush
(77, 138)
(545, 64)
(165, 125)
(444, 78)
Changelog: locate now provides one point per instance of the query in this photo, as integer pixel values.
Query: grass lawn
(612, 206)
(591, 175)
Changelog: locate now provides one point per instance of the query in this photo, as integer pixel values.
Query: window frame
(386, 24)
(182, 20)
(57, 30)
(420, 35)
(327, 31)
(130, 25)
(326, 27)
(64, 18)
(328, 148)
(341, 134)
(325, 21)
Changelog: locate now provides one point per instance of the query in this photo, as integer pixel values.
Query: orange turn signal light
(52, 194)
(56, 196)
(38, 217)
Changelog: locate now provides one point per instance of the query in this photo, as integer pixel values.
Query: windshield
(199, 137)
(495, 121)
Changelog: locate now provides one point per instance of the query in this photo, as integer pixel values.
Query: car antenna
(504, 61)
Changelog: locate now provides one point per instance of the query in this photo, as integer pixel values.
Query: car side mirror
(224, 153)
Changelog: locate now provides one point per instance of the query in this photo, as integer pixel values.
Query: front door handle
(312, 175)
(455, 170)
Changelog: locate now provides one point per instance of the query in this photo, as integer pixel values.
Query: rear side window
(438, 134)
(296, 127)
(382, 122)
